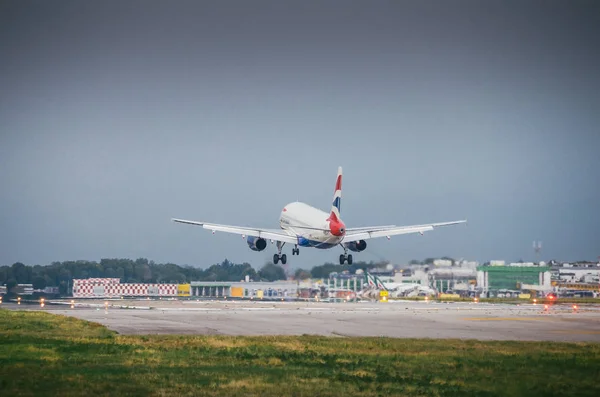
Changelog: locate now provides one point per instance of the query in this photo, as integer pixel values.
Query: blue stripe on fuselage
(304, 242)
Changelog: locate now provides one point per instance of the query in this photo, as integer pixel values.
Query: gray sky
(116, 116)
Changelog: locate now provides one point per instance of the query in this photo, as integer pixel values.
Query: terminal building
(353, 282)
(342, 286)
(241, 289)
(498, 280)
(453, 279)
(576, 279)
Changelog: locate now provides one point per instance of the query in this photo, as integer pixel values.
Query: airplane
(302, 225)
(373, 285)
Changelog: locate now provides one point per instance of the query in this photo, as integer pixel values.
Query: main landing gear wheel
(295, 251)
(345, 258)
(278, 257)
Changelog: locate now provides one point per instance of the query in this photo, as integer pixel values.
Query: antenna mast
(537, 247)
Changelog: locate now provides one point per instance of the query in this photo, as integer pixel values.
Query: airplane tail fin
(379, 284)
(337, 196)
(369, 280)
(374, 282)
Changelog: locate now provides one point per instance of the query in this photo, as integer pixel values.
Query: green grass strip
(42, 354)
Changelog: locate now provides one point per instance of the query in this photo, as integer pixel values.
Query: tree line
(142, 270)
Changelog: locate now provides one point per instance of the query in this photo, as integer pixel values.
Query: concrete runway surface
(400, 319)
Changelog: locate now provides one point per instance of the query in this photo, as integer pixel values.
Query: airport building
(113, 288)
(577, 274)
(241, 289)
(351, 282)
(23, 289)
(491, 280)
(579, 279)
(19, 289)
(102, 288)
(342, 286)
(453, 279)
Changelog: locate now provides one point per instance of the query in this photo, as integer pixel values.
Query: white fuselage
(300, 219)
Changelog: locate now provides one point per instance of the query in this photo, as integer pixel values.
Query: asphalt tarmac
(403, 319)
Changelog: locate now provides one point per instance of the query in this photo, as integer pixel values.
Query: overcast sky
(117, 115)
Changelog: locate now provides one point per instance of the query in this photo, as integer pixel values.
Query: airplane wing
(385, 231)
(371, 228)
(267, 234)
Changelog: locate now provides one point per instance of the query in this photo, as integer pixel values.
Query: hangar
(237, 289)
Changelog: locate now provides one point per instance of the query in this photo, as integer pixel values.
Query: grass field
(44, 354)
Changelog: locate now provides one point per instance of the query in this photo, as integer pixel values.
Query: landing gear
(279, 256)
(296, 251)
(345, 258)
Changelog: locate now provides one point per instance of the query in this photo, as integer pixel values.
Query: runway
(402, 319)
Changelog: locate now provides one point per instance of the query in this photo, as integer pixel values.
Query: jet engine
(256, 243)
(356, 246)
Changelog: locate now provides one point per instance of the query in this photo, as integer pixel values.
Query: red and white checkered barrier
(107, 288)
